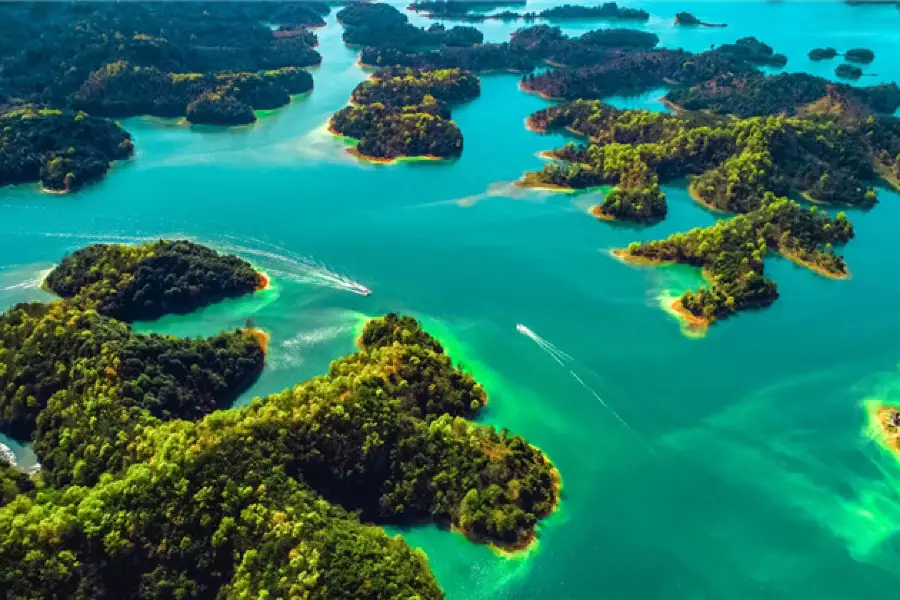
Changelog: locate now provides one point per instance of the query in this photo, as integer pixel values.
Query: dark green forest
(61, 149)
(147, 490)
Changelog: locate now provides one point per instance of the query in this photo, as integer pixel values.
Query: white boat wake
(565, 361)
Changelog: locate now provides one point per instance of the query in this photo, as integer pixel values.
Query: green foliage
(403, 112)
(64, 150)
(526, 49)
(156, 58)
(152, 494)
(731, 253)
(754, 94)
(12, 482)
(132, 283)
(736, 160)
(382, 25)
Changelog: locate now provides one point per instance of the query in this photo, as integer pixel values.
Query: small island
(126, 424)
(62, 149)
(731, 252)
(817, 54)
(686, 19)
(848, 71)
(403, 112)
(884, 425)
(859, 55)
(607, 10)
(132, 283)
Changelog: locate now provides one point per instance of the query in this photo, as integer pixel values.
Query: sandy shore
(695, 196)
(597, 211)
(797, 260)
(261, 337)
(263, 281)
(537, 93)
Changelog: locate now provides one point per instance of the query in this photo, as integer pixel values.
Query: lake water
(743, 472)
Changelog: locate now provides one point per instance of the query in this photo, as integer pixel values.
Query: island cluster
(151, 487)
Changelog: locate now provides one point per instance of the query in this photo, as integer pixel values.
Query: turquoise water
(745, 473)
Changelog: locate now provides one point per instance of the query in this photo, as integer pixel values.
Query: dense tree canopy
(145, 491)
(527, 48)
(64, 150)
(158, 57)
(755, 94)
(404, 112)
(736, 161)
(145, 282)
(731, 254)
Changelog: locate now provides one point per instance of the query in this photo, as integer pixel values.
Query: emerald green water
(758, 482)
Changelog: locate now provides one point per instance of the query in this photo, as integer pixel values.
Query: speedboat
(364, 290)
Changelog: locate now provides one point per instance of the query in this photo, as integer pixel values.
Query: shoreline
(697, 323)
(263, 282)
(817, 269)
(515, 549)
(695, 196)
(543, 95)
(531, 125)
(597, 211)
(384, 161)
(623, 255)
(881, 426)
(547, 187)
(888, 175)
(262, 338)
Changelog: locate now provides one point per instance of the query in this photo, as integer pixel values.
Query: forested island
(755, 94)
(634, 70)
(686, 19)
(211, 62)
(475, 11)
(848, 71)
(382, 25)
(404, 112)
(145, 491)
(62, 149)
(731, 255)
(527, 48)
(132, 283)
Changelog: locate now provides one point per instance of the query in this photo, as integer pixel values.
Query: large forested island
(146, 492)
(62, 149)
(403, 112)
(479, 11)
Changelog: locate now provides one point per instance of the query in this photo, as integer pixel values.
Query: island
(884, 425)
(475, 11)
(384, 437)
(731, 255)
(755, 94)
(634, 70)
(404, 112)
(132, 283)
(686, 19)
(382, 25)
(607, 10)
(859, 55)
(62, 149)
(848, 71)
(213, 64)
(817, 54)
